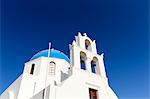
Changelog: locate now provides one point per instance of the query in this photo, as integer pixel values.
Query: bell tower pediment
(83, 55)
(85, 42)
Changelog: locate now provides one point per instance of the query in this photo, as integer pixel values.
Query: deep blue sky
(120, 28)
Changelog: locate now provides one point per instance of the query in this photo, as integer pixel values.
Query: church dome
(53, 53)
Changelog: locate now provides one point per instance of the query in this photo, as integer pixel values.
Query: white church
(50, 74)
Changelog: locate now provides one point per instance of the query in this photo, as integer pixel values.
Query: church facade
(50, 74)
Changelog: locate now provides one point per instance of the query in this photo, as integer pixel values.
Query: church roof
(53, 53)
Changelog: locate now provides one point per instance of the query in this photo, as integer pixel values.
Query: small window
(93, 94)
(32, 69)
(52, 67)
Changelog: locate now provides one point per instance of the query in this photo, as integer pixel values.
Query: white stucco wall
(77, 86)
(12, 91)
(68, 82)
(33, 84)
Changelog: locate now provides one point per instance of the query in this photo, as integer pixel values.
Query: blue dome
(53, 53)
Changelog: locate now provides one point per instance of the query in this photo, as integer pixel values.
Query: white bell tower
(83, 55)
(88, 70)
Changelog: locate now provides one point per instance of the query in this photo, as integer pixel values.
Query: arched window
(82, 60)
(95, 65)
(88, 45)
(52, 67)
(52, 62)
(32, 69)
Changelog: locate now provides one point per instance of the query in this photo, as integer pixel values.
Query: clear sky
(120, 28)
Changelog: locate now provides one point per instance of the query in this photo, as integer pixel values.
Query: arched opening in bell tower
(95, 65)
(88, 45)
(83, 59)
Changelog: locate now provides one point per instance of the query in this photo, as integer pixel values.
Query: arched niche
(88, 45)
(83, 59)
(95, 66)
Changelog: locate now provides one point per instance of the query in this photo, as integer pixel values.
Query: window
(88, 45)
(32, 69)
(52, 67)
(93, 94)
(82, 60)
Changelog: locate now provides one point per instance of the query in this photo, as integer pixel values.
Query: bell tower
(84, 56)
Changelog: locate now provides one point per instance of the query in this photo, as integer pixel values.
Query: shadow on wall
(42, 94)
(64, 76)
